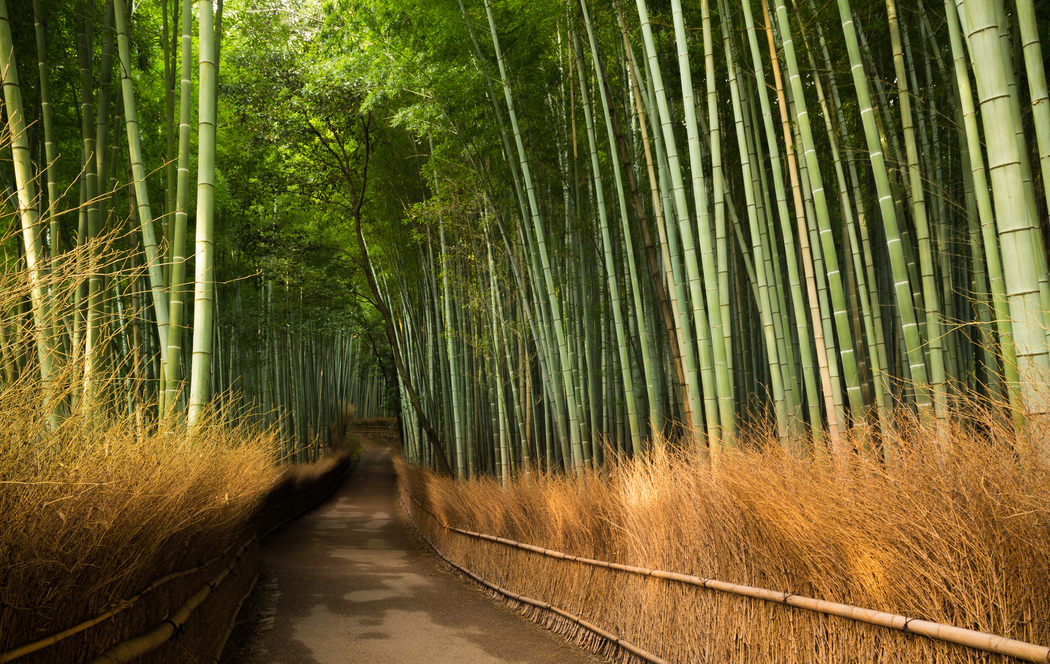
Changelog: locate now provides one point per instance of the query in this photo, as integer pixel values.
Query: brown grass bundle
(955, 529)
(92, 513)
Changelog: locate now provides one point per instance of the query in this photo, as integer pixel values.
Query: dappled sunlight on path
(347, 583)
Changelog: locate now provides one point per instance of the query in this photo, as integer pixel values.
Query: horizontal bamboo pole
(138, 646)
(609, 636)
(151, 640)
(1028, 652)
(55, 638)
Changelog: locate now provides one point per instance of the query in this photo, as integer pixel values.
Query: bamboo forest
(694, 331)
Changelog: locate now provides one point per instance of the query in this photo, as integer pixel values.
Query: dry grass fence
(93, 515)
(955, 530)
(113, 520)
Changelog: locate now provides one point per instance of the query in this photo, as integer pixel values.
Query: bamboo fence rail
(153, 585)
(130, 649)
(233, 620)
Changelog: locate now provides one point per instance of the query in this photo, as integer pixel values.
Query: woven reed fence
(186, 615)
(637, 614)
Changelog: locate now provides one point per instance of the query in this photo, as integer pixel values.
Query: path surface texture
(347, 583)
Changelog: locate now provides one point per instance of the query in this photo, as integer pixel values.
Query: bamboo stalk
(27, 210)
(153, 258)
(204, 263)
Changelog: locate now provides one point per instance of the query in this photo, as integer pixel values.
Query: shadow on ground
(351, 582)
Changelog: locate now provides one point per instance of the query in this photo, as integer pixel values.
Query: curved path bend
(348, 584)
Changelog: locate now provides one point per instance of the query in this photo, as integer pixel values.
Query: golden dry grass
(956, 531)
(92, 513)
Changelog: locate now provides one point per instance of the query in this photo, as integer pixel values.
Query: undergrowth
(95, 510)
(951, 526)
(90, 514)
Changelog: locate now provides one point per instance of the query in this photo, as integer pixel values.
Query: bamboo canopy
(635, 224)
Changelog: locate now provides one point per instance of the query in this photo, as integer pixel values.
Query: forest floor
(352, 582)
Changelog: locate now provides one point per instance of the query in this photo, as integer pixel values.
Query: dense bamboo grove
(583, 224)
(108, 107)
(727, 216)
(731, 244)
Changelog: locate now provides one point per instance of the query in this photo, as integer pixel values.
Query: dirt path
(347, 583)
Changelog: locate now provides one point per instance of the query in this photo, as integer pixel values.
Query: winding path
(347, 584)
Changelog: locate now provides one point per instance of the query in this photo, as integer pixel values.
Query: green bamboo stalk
(691, 347)
(721, 384)
(540, 332)
(92, 347)
(983, 202)
(794, 277)
(174, 375)
(504, 343)
(663, 284)
(719, 203)
(587, 274)
(905, 308)
(453, 360)
(104, 204)
(901, 197)
(610, 258)
(137, 355)
(1037, 88)
(204, 281)
(581, 310)
(870, 297)
(50, 171)
(167, 48)
(504, 443)
(1038, 244)
(847, 352)
(918, 203)
(1015, 225)
(760, 242)
(944, 238)
(537, 227)
(102, 118)
(771, 265)
(27, 211)
(50, 149)
(814, 251)
(149, 239)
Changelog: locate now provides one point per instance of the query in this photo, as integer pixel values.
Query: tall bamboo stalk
(1015, 225)
(25, 188)
(154, 265)
(537, 228)
(174, 376)
(204, 281)
(610, 254)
